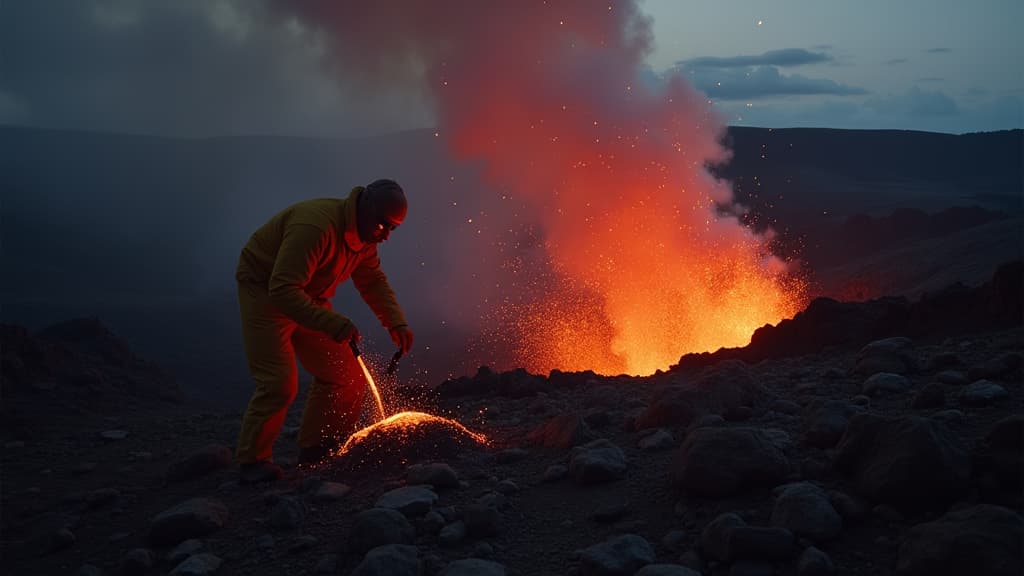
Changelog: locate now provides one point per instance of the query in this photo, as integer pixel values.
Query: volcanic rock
(912, 463)
(932, 395)
(999, 461)
(826, 421)
(666, 570)
(390, 560)
(184, 550)
(597, 462)
(473, 567)
(189, 519)
(893, 355)
(409, 500)
(814, 562)
(436, 474)
(658, 439)
(618, 556)
(208, 459)
(378, 527)
(981, 392)
(885, 383)
(1002, 366)
(805, 510)
(202, 564)
(758, 543)
(562, 432)
(718, 462)
(980, 539)
(712, 543)
(331, 491)
(287, 514)
(136, 561)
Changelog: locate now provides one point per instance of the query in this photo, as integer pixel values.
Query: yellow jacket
(303, 253)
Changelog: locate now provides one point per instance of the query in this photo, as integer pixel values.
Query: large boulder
(912, 463)
(719, 462)
(981, 539)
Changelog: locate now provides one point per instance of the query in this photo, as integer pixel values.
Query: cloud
(914, 109)
(895, 61)
(191, 68)
(762, 82)
(938, 50)
(784, 57)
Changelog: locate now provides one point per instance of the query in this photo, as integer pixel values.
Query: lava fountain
(637, 256)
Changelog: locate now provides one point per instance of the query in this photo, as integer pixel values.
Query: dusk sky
(228, 67)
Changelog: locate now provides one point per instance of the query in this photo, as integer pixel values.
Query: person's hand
(402, 337)
(349, 334)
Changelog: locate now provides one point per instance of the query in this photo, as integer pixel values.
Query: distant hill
(144, 232)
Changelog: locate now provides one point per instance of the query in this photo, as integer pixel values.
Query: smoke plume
(596, 243)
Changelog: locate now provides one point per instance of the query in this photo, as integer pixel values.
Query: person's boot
(261, 471)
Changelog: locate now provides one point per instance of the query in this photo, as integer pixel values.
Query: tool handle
(355, 347)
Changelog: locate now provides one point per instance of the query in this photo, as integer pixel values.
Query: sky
(199, 68)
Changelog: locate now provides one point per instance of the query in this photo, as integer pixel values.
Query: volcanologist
(287, 274)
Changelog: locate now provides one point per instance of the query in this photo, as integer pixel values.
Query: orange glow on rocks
(406, 437)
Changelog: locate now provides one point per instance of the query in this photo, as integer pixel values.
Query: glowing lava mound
(404, 438)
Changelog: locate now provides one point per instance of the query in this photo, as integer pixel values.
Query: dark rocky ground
(884, 437)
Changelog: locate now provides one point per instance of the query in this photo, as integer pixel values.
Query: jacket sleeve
(373, 285)
(301, 249)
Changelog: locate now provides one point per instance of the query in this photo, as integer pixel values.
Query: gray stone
(980, 539)
(952, 378)
(473, 567)
(883, 383)
(184, 550)
(948, 417)
(189, 519)
(666, 570)
(814, 562)
(713, 538)
(452, 534)
(597, 462)
(893, 355)
(481, 519)
(378, 527)
(412, 501)
(618, 556)
(210, 458)
(910, 462)
(390, 560)
(562, 432)
(659, 439)
(759, 543)
(331, 491)
(805, 510)
(135, 562)
(114, 435)
(302, 543)
(431, 523)
(89, 570)
(202, 564)
(718, 462)
(826, 422)
(287, 514)
(555, 472)
(785, 407)
(981, 392)
(436, 474)
(747, 568)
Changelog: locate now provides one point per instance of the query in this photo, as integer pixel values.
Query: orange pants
(272, 343)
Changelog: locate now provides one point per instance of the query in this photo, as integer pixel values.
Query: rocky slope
(884, 437)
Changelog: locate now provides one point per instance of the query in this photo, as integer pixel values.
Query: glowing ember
(405, 437)
(402, 424)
